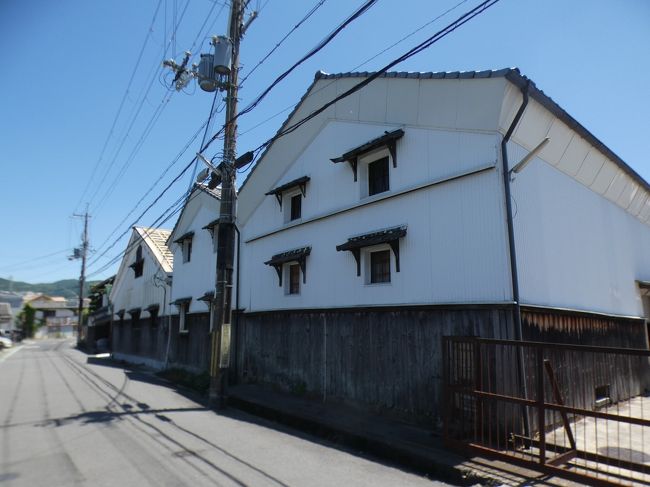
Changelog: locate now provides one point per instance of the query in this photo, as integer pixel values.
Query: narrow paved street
(67, 419)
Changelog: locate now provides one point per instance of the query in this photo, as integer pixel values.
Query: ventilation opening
(602, 397)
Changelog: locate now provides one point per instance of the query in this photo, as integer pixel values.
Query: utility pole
(81, 253)
(220, 71)
(222, 305)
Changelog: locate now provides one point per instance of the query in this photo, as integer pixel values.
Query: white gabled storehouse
(386, 222)
(193, 243)
(140, 297)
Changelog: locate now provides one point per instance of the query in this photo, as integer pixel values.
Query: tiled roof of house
(156, 239)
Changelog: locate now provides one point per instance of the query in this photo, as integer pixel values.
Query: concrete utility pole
(81, 253)
(222, 305)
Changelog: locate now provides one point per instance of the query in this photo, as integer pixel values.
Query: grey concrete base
(137, 360)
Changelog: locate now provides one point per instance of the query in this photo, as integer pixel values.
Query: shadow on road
(328, 439)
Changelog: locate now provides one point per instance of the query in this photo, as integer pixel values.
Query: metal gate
(580, 412)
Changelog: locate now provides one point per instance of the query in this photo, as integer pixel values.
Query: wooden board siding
(579, 373)
(388, 360)
(561, 326)
(186, 350)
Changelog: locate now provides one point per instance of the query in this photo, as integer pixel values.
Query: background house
(100, 317)
(140, 298)
(381, 225)
(56, 313)
(6, 317)
(193, 243)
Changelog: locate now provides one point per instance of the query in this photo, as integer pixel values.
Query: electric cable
(281, 41)
(463, 19)
(358, 13)
(412, 52)
(266, 120)
(121, 106)
(136, 112)
(171, 211)
(32, 260)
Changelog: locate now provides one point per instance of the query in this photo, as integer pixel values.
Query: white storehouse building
(431, 204)
(140, 298)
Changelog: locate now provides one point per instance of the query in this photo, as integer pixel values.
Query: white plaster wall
(572, 155)
(575, 248)
(195, 278)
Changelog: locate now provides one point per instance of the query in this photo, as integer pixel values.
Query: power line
(281, 41)
(205, 134)
(136, 111)
(463, 19)
(358, 13)
(171, 211)
(293, 105)
(157, 113)
(151, 188)
(412, 52)
(34, 259)
(119, 110)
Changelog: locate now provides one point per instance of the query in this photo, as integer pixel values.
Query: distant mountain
(68, 288)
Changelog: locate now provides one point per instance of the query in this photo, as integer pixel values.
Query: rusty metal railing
(588, 407)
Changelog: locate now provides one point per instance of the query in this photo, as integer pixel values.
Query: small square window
(296, 207)
(294, 279)
(378, 176)
(379, 266)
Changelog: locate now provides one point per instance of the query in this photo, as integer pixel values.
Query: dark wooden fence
(386, 360)
(389, 359)
(147, 340)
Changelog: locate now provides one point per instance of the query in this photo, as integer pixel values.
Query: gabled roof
(511, 74)
(156, 240)
(198, 187)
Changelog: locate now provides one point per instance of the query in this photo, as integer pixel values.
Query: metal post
(222, 309)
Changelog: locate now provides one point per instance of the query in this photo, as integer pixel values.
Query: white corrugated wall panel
(402, 105)
(453, 252)
(347, 108)
(196, 277)
(574, 248)
(439, 103)
(373, 99)
(479, 103)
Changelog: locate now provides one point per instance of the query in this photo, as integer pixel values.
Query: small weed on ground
(197, 382)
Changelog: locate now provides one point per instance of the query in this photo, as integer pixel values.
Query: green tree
(27, 320)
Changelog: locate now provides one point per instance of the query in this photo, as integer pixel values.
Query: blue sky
(67, 64)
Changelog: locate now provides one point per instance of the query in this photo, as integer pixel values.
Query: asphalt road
(67, 419)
